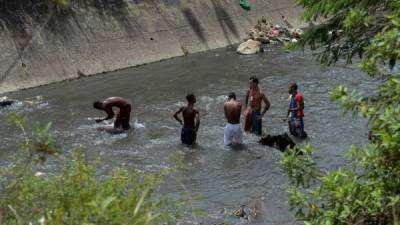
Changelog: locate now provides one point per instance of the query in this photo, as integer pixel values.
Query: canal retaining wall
(41, 44)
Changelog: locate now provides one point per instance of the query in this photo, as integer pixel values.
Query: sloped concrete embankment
(40, 46)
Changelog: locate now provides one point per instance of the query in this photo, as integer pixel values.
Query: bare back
(114, 102)
(111, 102)
(232, 110)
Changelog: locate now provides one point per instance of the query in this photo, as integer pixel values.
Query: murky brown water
(225, 178)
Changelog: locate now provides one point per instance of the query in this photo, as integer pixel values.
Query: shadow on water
(237, 147)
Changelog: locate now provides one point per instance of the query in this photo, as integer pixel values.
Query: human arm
(197, 121)
(110, 114)
(176, 115)
(288, 110)
(267, 104)
(225, 112)
(247, 98)
(287, 117)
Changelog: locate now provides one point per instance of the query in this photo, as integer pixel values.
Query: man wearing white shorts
(233, 130)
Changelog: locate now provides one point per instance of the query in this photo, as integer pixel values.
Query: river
(225, 178)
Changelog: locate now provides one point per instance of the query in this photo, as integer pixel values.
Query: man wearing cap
(295, 111)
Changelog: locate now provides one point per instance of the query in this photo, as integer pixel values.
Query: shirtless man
(233, 130)
(123, 115)
(191, 120)
(256, 97)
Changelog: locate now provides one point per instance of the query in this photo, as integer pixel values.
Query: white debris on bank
(249, 47)
(266, 33)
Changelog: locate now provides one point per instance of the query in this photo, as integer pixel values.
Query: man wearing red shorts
(123, 115)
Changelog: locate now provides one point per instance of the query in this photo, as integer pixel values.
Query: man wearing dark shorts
(191, 120)
(295, 112)
(254, 99)
(123, 115)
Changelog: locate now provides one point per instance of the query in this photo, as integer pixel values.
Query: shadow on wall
(24, 20)
(118, 10)
(195, 25)
(225, 21)
(19, 18)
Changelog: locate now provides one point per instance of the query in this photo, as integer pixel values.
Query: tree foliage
(74, 192)
(367, 189)
(61, 4)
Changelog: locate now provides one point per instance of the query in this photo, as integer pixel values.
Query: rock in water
(249, 47)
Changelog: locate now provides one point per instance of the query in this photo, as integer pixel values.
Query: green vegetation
(367, 189)
(74, 192)
(61, 4)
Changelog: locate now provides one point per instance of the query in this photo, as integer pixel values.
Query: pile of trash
(266, 33)
(5, 101)
(31, 101)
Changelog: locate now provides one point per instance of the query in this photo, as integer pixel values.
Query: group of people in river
(190, 121)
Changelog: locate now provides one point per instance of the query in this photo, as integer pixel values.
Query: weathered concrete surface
(39, 46)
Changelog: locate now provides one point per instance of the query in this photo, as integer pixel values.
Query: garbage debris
(5, 101)
(245, 212)
(244, 4)
(265, 32)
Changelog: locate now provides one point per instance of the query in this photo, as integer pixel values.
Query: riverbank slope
(41, 46)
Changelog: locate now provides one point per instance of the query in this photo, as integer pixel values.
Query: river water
(224, 178)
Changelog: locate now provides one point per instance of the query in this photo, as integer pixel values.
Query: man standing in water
(295, 112)
(191, 120)
(232, 130)
(256, 97)
(123, 116)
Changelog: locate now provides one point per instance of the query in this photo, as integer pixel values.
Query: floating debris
(4, 102)
(248, 213)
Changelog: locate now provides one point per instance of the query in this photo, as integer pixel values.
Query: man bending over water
(233, 130)
(256, 97)
(123, 115)
(191, 120)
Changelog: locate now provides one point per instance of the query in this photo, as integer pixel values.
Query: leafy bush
(61, 4)
(367, 189)
(74, 193)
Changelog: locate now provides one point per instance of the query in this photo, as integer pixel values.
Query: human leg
(256, 124)
(238, 135)
(227, 135)
(118, 119)
(188, 135)
(126, 117)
